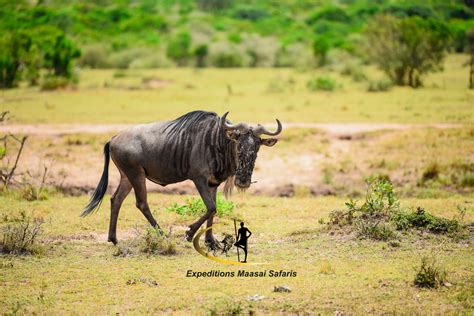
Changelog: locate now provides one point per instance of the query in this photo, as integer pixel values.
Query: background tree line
(406, 39)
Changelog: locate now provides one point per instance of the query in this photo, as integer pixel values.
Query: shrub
(371, 219)
(124, 58)
(431, 172)
(321, 83)
(419, 219)
(214, 4)
(21, 236)
(249, 12)
(430, 274)
(151, 242)
(355, 71)
(179, 48)
(153, 60)
(295, 55)
(200, 53)
(225, 55)
(260, 51)
(53, 83)
(195, 206)
(155, 243)
(94, 56)
(379, 85)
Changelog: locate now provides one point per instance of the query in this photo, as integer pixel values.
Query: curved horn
(242, 127)
(260, 130)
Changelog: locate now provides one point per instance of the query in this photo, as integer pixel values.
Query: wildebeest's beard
(247, 149)
(247, 142)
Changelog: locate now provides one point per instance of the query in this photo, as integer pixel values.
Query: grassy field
(133, 96)
(78, 272)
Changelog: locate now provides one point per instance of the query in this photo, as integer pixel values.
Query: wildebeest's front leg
(209, 201)
(209, 236)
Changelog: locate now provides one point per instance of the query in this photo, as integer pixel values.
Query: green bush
(355, 71)
(195, 206)
(321, 84)
(249, 12)
(94, 56)
(260, 51)
(21, 236)
(151, 242)
(431, 172)
(179, 48)
(419, 219)
(379, 85)
(226, 55)
(53, 83)
(430, 274)
(124, 58)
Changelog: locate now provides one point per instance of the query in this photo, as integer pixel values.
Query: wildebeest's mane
(188, 122)
(203, 127)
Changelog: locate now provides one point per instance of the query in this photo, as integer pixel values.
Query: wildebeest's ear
(269, 142)
(232, 135)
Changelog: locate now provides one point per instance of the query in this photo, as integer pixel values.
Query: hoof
(113, 240)
(189, 235)
(211, 240)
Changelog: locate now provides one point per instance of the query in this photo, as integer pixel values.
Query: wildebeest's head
(248, 141)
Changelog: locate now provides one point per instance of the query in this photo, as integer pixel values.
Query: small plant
(379, 85)
(151, 242)
(430, 274)
(321, 84)
(371, 219)
(419, 219)
(21, 236)
(53, 83)
(431, 172)
(195, 206)
(326, 268)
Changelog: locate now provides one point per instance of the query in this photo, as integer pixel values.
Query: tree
(178, 48)
(406, 49)
(321, 47)
(470, 37)
(60, 56)
(14, 49)
(201, 52)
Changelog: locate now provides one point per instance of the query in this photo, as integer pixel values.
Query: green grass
(78, 272)
(101, 98)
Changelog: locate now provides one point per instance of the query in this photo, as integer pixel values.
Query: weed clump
(379, 86)
(195, 206)
(419, 219)
(21, 236)
(430, 274)
(322, 84)
(380, 216)
(370, 219)
(151, 242)
(431, 172)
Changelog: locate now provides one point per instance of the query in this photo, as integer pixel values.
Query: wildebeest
(199, 146)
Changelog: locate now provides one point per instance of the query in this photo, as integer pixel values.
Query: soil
(76, 167)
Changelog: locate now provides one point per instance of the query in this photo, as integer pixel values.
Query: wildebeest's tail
(96, 198)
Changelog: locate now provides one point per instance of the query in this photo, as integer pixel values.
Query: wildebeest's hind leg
(209, 201)
(138, 180)
(116, 200)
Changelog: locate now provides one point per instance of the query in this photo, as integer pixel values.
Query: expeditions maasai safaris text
(241, 274)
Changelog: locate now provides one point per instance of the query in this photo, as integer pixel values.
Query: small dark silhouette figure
(242, 239)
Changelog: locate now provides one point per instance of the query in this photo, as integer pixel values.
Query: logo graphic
(242, 235)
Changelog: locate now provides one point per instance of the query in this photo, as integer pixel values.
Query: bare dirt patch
(73, 153)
